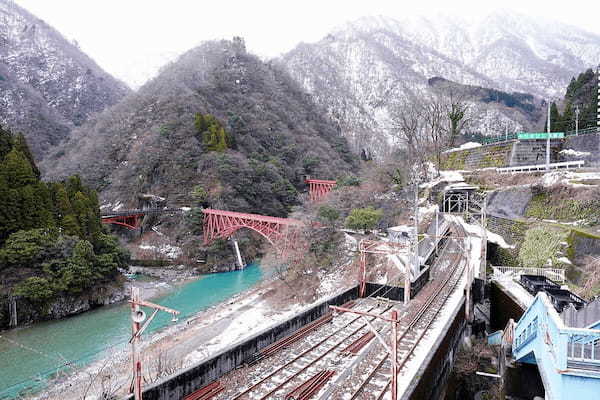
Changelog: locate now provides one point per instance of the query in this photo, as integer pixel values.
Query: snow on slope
(363, 69)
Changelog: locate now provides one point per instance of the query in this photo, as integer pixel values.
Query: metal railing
(514, 136)
(586, 131)
(540, 167)
(583, 347)
(555, 274)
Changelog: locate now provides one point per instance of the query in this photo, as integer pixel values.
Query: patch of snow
(445, 176)
(465, 146)
(574, 153)
(423, 211)
(168, 250)
(452, 176)
(186, 209)
(564, 260)
(155, 229)
(350, 242)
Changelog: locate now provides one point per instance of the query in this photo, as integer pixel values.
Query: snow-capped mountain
(47, 84)
(361, 69)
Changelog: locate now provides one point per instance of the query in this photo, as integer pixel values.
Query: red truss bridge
(220, 224)
(131, 219)
(319, 188)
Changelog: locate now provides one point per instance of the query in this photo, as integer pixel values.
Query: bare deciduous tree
(430, 121)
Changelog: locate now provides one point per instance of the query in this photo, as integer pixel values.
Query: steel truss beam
(318, 188)
(220, 224)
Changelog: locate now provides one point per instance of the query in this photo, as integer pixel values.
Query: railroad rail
(322, 355)
(316, 353)
(429, 304)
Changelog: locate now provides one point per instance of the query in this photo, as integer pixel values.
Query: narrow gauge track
(285, 375)
(421, 320)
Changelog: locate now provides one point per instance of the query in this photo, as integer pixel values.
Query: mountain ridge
(363, 69)
(41, 70)
(148, 143)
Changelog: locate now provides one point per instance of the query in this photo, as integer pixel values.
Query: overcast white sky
(131, 39)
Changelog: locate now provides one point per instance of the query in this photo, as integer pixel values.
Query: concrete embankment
(196, 376)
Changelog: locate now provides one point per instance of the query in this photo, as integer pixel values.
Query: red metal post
(319, 188)
(394, 355)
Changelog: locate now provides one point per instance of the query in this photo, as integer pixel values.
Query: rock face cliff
(47, 84)
(360, 70)
(150, 142)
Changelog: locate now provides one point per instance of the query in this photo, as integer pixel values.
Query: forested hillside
(581, 93)
(218, 121)
(51, 240)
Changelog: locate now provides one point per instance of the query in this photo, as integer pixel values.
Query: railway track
(412, 330)
(315, 354)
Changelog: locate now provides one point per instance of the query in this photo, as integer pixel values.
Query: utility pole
(506, 131)
(137, 317)
(416, 238)
(548, 141)
(598, 120)
(577, 121)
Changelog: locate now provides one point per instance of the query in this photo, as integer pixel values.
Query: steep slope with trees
(52, 245)
(582, 94)
(218, 118)
(47, 84)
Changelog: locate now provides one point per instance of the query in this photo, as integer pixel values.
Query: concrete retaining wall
(584, 143)
(431, 381)
(199, 375)
(502, 308)
(533, 152)
(510, 203)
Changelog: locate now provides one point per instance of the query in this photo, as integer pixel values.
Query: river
(28, 356)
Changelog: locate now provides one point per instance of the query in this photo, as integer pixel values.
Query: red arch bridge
(220, 224)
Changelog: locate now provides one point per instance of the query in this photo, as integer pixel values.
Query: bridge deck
(255, 217)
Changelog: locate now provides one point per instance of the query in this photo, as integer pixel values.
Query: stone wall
(486, 156)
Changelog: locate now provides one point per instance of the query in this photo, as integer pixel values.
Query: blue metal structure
(568, 358)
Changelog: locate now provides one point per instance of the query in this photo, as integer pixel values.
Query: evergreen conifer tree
(6, 143)
(17, 170)
(20, 144)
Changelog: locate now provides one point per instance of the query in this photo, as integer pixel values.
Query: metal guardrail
(555, 274)
(586, 131)
(541, 167)
(514, 136)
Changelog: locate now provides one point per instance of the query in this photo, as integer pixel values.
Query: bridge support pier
(238, 255)
(12, 312)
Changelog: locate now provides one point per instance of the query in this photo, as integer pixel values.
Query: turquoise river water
(28, 356)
